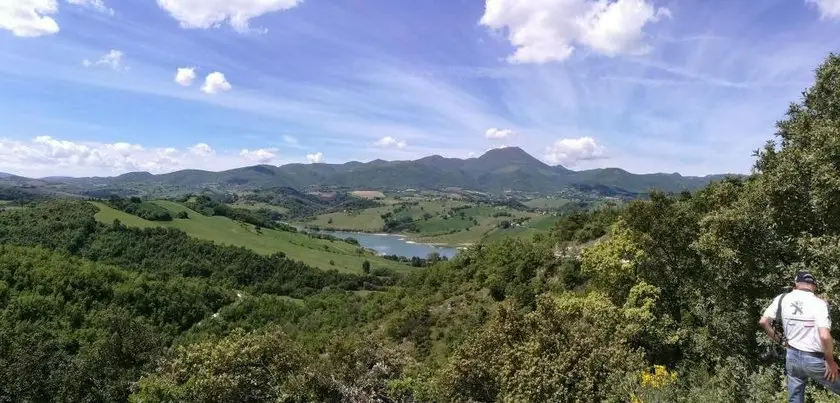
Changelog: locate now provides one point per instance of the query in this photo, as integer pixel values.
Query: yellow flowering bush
(653, 385)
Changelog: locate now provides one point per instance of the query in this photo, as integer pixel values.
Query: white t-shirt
(802, 316)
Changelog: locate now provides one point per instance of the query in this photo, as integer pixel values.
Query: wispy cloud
(97, 5)
(113, 59)
(829, 9)
(389, 141)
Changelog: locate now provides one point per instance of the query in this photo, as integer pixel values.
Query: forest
(140, 208)
(654, 301)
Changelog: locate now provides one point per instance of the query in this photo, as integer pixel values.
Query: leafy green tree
(544, 355)
(255, 367)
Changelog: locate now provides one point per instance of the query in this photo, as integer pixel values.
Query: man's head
(805, 281)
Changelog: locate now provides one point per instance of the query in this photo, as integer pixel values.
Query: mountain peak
(505, 152)
(498, 158)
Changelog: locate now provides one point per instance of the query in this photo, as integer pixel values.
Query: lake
(387, 244)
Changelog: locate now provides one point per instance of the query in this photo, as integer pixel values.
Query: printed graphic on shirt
(797, 307)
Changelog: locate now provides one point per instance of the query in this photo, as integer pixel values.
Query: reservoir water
(387, 244)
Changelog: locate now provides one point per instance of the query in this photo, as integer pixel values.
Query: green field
(368, 220)
(547, 203)
(438, 221)
(260, 205)
(314, 252)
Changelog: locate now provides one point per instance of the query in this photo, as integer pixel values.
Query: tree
(366, 267)
(542, 356)
(505, 224)
(432, 258)
(255, 367)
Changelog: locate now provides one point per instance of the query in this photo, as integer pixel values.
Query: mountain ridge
(498, 170)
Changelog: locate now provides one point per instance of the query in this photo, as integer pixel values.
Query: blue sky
(92, 87)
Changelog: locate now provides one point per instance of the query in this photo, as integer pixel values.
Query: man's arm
(765, 323)
(827, 341)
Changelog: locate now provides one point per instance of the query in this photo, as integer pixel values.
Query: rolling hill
(320, 253)
(497, 171)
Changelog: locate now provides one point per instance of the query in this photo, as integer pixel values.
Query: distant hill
(497, 171)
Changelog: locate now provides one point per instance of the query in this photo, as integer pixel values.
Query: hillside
(314, 252)
(497, 171)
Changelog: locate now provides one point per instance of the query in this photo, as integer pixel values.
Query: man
(807, 336)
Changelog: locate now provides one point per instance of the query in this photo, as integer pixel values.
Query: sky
(104, 87)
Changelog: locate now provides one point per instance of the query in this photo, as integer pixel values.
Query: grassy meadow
(315, 252)
(445, 222)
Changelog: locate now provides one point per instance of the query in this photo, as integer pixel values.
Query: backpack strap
(782, 337)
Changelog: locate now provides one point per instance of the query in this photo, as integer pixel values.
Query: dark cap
(805, 277)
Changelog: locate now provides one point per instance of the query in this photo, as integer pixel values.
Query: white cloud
(570, 151)
(213, 13)
(262, 156)
(124, 149)
(315, 158)
(289, 139)
(499, 134)
(471, 155)
(548, 30)
(215, 82)
(97, 5)
(829, 9)
(202, 149)
(49, 156)
(389, 141)
(112, 59)
(28, 18)
(185, 76)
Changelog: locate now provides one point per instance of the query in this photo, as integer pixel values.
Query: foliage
(543, 356)
(74, 330)
(224, 371)
(143, 209)
(582, 226)
(207, 206)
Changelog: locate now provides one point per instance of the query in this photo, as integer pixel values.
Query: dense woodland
(656, 301)
(143, 209)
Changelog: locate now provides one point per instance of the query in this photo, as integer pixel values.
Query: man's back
(803, 313)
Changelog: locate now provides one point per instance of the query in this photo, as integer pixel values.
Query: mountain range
(497, 171)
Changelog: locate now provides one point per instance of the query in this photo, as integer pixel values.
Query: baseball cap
(805, 277)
